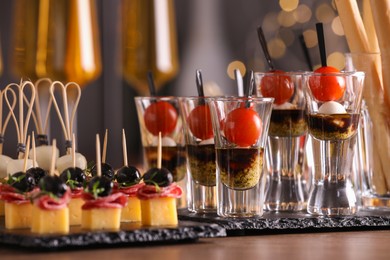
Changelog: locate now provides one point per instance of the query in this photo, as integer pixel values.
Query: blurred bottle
(56, 39)
(149, 42)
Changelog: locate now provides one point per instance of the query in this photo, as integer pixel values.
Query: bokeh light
(276, 48)
(286, 19)
(336, 59)
(288, 5)
(287, 36)
(270, 22)
(236, 64)
(325, 13)
(302, 14)
(310, 38)
(337, 27)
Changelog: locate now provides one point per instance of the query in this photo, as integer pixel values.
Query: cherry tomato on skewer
(242, 126)
(280, 87)
(327, 88)
(160, 116)
(199, 122)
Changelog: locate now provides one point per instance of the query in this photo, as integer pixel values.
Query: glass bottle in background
(56, 39)
(149, 42)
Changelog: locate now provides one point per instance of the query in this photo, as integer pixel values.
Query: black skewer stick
(305, 52)
(152, 86)
(321, 43)
(240, 87)
(263, 44)
(249, 89)
(199, 86)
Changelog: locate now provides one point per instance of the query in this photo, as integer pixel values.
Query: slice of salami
(129, 191)
(10, 195)
(115, 200)
(151, 192)
(47, 202)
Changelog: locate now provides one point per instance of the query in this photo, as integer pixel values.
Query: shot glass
(162, 114)
(240, 133)
(201, 165)
(333, 102)
(285, 155)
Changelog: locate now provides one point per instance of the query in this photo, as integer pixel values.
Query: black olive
(38, 173)
(129, 175)
(162, 177)
(100, 186)
(107, 171)
(76, 175)
(53, 184)
(23, 182)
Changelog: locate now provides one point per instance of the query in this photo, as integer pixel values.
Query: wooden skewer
(124, 148)
(73, 151)
(3, 125)
(53, 157)
(34, 154)
(159, 151)
(98, 160)
(26, 154)
(105, 147)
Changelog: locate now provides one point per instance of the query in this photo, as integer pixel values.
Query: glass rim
(155, 97)
(337, 74)
(237, 98)
(282, 73)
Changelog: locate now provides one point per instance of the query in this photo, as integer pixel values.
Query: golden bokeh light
(310, 38)
(302, 14)
(270, 22)
(288, 5)
(337, 27)
(236, 64)
(287, 36)
(325, 13)
(336, 59)
(286, 19)
(276, 48)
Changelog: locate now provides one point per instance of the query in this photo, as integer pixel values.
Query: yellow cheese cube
(17, 215)
(50, 221)
(75, 211)
(2, 209)
(132, 211)
(101, 218)
(159, 212)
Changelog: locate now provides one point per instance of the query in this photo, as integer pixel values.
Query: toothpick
(34, 154)
(74, 151)
(53, 157)
(105, 147)
(98, 160)
(124, 148)
(159, 151)
(26, 154)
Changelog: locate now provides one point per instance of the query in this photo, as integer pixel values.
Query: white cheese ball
(4, 160)
(331, 107)
(43, 156)
(165, 141)
(207, 141)
(16, 165)
(285, 105)
(66, 161)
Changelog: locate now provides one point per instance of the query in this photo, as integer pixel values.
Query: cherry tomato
(242, 126)
(199, 122)
(327, 88)
(161, 117)
(280, 87)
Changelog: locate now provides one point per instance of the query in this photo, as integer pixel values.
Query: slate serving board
(292, 222)
(128, 235)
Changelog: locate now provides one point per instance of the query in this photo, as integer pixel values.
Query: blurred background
(108, 47)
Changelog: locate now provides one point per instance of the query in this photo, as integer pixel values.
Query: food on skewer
(158, 196)
(75, 178)
(16, 196)
(128, 182)
(50, 206)
(102, 208)
(107, 169)
(36, 171)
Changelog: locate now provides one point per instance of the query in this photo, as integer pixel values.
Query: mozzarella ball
(207, 141)
(43, 156)
(4, 160)
(165, 141)
(16, 165)
(332, 107)
(66, 161)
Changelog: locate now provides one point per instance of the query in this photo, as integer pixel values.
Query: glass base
(284, 194)
(203, 199)
(332, 199)
(375, 202)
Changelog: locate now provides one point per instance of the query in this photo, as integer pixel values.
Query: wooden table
(328, 245)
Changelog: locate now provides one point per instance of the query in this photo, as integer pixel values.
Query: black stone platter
(130, 234)
(271, 223)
